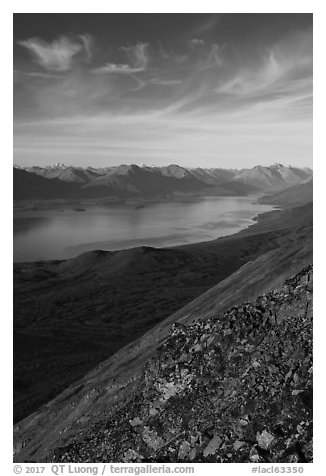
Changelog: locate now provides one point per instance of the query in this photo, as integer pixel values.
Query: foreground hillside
(70, 315)
(232, 386)
(235, 387)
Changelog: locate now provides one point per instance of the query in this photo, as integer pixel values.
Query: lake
(64, 233)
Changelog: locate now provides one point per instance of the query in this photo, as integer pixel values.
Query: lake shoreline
(237, 219)
(62, 204)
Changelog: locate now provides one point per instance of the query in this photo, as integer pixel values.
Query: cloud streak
(88, 44)
(55, 56)
(282, 70)
(197, 42)
(138, 61)
(164, 82)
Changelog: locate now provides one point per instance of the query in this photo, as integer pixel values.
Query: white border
(168, 6)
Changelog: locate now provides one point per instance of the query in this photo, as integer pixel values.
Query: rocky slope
(236, 387)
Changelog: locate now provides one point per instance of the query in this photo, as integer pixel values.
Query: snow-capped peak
(58, 165)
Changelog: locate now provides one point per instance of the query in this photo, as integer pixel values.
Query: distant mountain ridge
(274, 178)
(292, 196)
(30, 185)
(126, 181)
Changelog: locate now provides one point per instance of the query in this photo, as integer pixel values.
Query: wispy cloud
(214, 57)
(55, 56)
(19, 75)
(138, 61)
(285, 69)
(88, 43)
(197, 42)
(206, 26)
(164, 82)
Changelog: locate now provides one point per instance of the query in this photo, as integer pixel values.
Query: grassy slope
(71, 315)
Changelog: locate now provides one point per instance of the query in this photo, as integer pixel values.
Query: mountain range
(133, 181)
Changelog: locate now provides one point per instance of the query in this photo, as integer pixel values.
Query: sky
(198, 90)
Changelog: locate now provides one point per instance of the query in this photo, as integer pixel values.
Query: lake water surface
(59, 234)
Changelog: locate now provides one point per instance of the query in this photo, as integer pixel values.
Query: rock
(299, 429)
(296, 392)
(272, 320)
(210, 341)
(288, 375)
(169, 389)
(131, 455)
(198, 348)
(238, 444)
(184, 358)
(152, 439)
(255, 364)
(212, 446)
(183, 450)
(192, 454)
(243, 421)
(153, 411)
(272, 369)
(136, 422)
(264, 439)
(204, 337)
(254, 455)
(307, 450)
